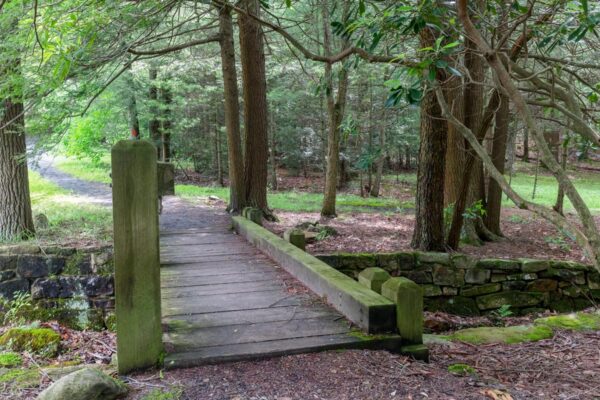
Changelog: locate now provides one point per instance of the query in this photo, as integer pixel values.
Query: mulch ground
(526, 235)
(566, 367)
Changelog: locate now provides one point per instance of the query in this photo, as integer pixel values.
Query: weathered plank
(222, 288)
(250, 351)
(273, 314)
(210, 259)
(230, 302)
(187, 281)
(183, 341)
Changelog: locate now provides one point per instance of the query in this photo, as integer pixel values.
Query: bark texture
(429, 213)
(16, 219)
(255, 107)
(232, 113)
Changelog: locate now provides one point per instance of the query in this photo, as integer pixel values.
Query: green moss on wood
(42, 341)
(575, 321)
(507, 335)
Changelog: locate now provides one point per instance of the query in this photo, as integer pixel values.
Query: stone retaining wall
(75, 285)
(464, 285)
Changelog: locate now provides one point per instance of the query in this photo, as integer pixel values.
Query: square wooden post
(137, 258)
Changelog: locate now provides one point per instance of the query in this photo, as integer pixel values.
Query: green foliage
(504, 311)
(10, 360)
(16, 310)
(558, 241)
(461, 369)
(475, 210)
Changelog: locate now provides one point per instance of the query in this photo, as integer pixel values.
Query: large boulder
(85, 384)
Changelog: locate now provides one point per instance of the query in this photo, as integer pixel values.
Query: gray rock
(85, 384)
(32, 266)
(8, 289)
(477, 275)
(41, 221)
(8, 262)
(6, 275)
(98, 285)
(448, 276)
(51, 288)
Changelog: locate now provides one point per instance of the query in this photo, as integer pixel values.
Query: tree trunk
(154, 123)
(16, 221)
(494, 198)
(525, 145)
(455, 152)
(232, 113)
(272, 156)
(428, 234)
(167, 101)
(560, 197)
(335, 109)
(380, 161)
(218, 152)
(255, 108)
(134, 122)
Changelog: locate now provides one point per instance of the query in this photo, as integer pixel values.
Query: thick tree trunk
(455, 152)
(16, 220)
(154, 123)
(232, 113)
(429, 212)
(494, 198)
(255, 108)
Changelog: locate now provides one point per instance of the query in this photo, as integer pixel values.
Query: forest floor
(566, 366)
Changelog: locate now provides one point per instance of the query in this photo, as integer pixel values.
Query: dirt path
(89, 192)
(177, 213)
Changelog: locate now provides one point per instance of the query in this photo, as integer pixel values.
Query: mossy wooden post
(408, 297)
(137, 261)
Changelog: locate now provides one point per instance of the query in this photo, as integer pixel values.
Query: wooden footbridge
(206, 294)
(224, 300)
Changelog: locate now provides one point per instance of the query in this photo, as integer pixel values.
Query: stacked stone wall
(75, 284)
(460, 284)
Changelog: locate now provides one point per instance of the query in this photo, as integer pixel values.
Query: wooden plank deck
(223, 300)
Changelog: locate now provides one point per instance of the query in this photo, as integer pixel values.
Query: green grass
(588, 184)
(69, 219)
(302, 201)
(86, 170)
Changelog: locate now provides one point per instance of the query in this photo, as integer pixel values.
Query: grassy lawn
(85, 169)
(588, 184)
(301, 201)
(69, 218)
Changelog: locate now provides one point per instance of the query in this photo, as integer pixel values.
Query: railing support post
(137, 259)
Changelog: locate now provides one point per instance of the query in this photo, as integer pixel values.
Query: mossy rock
(575, 321)
(461, 369)
(20, 378)
(10, 360)
(507, 335)
(458, 305)
(42, 341)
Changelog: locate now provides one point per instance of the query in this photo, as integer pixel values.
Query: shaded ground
(526, 235)
(561, 368)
